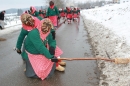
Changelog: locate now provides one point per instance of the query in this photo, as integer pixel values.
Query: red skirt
(54, 20)
(75, 15)
(62, 14)
(69, 16)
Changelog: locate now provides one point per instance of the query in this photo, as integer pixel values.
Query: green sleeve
(40, 12)
(36, 13)
(57, 11)
(65, 11)
(21, 37)
(38, 44)
(39, 17)
(51, 41)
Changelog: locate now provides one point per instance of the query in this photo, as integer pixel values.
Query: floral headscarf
(48, 23)
(24, 18)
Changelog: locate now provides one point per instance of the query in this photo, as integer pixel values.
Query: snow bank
(107, 36)
(13, 23)
(10, 29)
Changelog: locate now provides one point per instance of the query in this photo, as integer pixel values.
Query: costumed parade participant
(68, 12)
(28, 23)
(41, 56)
(53, 14)
(41, 13)
(75, 14)
(34, 13)
(62, 13)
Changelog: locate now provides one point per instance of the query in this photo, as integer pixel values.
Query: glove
(53, 34)
(54, 59)
(52, 50)
(18, 51)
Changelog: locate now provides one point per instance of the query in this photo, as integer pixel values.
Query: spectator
(2, 19)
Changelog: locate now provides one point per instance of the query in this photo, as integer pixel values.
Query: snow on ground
(12, 23)
(109, 30)
(115, 17)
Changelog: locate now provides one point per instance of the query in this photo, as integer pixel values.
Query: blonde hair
(24, 17)
(48, 23)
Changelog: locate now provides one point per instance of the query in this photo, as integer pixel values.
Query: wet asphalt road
(71, 40)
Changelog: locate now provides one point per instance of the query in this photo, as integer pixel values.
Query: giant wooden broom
(115, 60)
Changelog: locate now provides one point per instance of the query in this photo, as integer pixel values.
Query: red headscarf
(52, 6)
(33, 9)
(51, 3)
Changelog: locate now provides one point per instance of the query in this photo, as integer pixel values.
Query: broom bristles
(122, 60)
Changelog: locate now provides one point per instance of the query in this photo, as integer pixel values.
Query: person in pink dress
(53, 14)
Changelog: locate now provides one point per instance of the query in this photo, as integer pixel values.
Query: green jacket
(52, 12)
(34, 45)
(21, 37)
(40, 12)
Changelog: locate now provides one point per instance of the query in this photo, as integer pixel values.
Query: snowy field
(12, 23)
(109, 31)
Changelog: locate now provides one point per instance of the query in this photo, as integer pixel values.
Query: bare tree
(58, 3)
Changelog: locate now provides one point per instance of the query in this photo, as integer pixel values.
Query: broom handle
(70, 59)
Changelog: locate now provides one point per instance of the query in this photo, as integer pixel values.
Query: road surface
(74, 43)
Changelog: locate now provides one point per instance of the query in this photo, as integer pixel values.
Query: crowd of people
(36, 42)
(70, 14)
(55, 14)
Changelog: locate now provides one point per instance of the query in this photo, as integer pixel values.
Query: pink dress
(42, 65)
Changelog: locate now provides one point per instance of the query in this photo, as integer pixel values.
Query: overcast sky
(6, 4)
